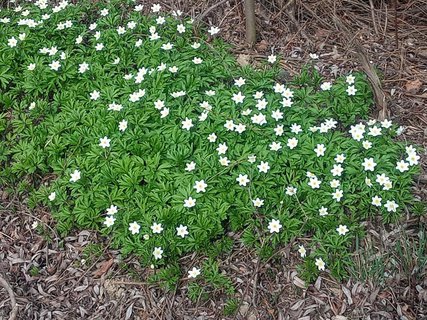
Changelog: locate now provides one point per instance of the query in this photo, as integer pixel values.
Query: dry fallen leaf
(413, 86)
(104, 268)
(243, 59)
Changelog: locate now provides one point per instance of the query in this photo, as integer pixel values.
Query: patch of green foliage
(153, 136)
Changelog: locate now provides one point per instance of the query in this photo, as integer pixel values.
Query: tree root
(9, 290)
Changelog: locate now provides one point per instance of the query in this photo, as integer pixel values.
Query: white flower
(146, 236)
(212, 137)
(279, 130)
(222, 148)
(382, 179)
(131, 25)
(92, 26)
(274, 226)
(335, 183)
(391, 206)
(337, 170)
(374, 131)
(302, 251)
(376, 201)
(277, 115)
(323, 211)
(193, 273)
(368, 182)
(115, 107)
(400, 130)
(12, 42)
(242, 180)
(123, 125)
(164, 112)
(157, 253)
(182, 231)
(99, 46)
(187, 124)
(83, 67)
(410, 149)
(52, 196)
(138, 8)
(320, 150)
(189, 203)
(94, 95)
(320, 264)
(275, 146)
(258, 202)
(287, 93)
(239, 82)
(351, 90)
(292, 143)
(402, 166)
(272, 58)
(263, 167)
(259, 119)
(296, 128)
(121, 30)
(155, 7)
(22, 36)
(31, 66)
(229, 125)
(367, 144)
(290, 191)
(337, 195)
(173, 69)
(252, 158)
(238, 98)
(167, 46)
(75, 176)
(190, 166)
(258, 95)
(134, 227)
(213, 30)
(340, 158)
(342, 230)
(104, 12)
(210, 93)
(240, 128)
(197, 60)
(413, 159)
(154, 36)
(314, 183)
(55, 65)
(160, 20)
(261, 104)
(224, 161)
(104, 142)
(32, 106)
(111, 210)
(200, 186)
(109, 221)
(369, 164)
(116, 61)
(157, 227)
(386, 124)
(326, 86)
(350, 79)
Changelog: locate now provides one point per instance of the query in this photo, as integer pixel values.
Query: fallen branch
(9, 290)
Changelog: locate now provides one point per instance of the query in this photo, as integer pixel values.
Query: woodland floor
(50, 280)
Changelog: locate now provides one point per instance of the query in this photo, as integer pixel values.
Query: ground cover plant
(145, 129)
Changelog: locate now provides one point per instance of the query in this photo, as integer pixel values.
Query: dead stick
(371, 3)
(396, 31)
(9, 290)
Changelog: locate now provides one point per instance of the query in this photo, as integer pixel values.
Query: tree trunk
(250, 22)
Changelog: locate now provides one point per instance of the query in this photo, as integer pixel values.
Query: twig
(396, 32)
(9, 290)
(371, 3)
(206, 12)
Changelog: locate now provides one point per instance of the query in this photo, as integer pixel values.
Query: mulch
(53, 278)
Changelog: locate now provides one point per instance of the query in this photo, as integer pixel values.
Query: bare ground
(70, 278)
